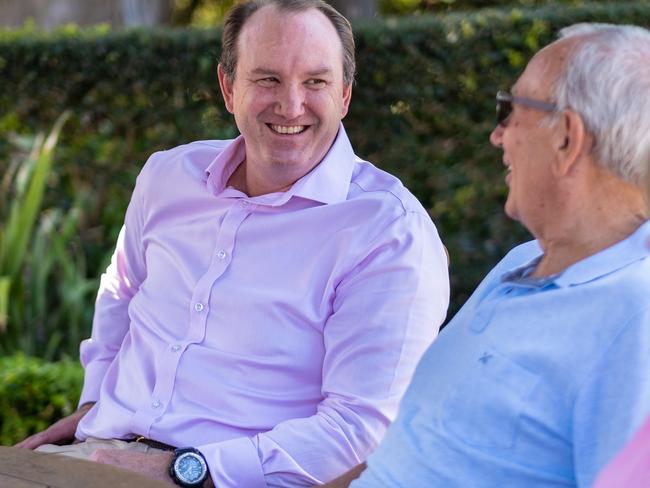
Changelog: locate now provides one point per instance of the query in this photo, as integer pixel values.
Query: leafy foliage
(402, 7)
(34, 394)
(423, 108)
(22, 187)
(44, 295)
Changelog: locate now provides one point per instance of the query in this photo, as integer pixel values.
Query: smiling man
(269, 296)
(544, 373)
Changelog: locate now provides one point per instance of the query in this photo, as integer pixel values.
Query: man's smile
(288, 129)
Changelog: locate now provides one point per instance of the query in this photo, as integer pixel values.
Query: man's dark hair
(240, 13)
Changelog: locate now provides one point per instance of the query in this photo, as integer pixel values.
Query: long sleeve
(387, 310)
(118, 285)
(275, 333)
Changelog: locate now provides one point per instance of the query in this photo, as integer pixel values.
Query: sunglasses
(505, 101)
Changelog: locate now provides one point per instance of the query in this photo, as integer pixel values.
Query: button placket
(162, 394)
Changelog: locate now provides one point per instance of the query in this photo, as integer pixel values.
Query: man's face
(288, 96)
(526, 140)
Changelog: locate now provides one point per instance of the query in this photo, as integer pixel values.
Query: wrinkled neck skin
(588, 218)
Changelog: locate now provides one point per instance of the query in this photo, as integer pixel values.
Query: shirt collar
(521, 275)
(224, 165)
(327, 182)
(633, 248)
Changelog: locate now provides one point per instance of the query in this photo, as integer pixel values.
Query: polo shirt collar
(633, 248)
(327, 182)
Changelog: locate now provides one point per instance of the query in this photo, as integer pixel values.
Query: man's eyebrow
(264, 72)
(269, 72)
(320, 71)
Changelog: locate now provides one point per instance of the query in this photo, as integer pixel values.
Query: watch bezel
(178, 477)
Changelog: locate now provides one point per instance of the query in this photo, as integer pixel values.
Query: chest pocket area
(484, 409)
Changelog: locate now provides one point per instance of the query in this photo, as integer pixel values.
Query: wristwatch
(188, 468)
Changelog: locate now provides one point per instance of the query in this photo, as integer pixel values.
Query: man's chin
(292, 163)
(511, 212)
(291, 157)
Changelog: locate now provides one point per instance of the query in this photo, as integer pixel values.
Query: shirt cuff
(234, 463)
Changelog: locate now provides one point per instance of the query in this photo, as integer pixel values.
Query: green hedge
(34, 394)
(422, 109)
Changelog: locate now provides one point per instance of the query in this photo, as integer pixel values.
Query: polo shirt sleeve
(118, 285)
(614, 399)
(630, 466)
(386, 312)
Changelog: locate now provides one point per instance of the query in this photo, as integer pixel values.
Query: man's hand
(153, 465)
(61, 432)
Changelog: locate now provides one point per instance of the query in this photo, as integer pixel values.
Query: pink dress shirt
(277, 334)
(631, 467)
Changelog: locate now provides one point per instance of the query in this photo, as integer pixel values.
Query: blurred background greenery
(210, 12)
(81, 109)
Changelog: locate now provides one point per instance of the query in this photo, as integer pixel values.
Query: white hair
(606, 79)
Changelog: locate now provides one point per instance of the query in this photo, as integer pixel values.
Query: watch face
(190, 467)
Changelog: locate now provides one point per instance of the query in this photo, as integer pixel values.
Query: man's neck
(583, 230)
(252, 184)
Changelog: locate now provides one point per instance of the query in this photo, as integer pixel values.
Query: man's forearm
(345, 480)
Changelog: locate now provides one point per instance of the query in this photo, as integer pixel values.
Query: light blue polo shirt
(534, 383)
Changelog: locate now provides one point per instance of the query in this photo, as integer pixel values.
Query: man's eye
(316, 82)
(270, 81)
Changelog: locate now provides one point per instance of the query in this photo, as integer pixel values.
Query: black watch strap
(188, 468)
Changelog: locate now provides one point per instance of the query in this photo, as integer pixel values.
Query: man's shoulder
(518, 256)
(369, 181)
(194, 156)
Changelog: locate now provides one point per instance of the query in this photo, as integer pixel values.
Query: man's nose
(291, 101)
(496, 137)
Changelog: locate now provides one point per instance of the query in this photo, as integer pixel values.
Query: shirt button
(245, 203)
(176, 348)
(221, 254)
(156, 404)
(198, 307)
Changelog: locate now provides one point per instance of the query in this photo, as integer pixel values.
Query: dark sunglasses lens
(504, 107)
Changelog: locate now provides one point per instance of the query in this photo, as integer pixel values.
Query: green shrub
(422, 108)
(34, 394)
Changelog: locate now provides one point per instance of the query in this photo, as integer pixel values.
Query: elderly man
(544, 373)
(270, 296)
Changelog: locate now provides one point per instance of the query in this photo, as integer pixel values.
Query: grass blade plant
(59, 293)
(23, 188)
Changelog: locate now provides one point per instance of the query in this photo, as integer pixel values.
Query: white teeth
(288, 129)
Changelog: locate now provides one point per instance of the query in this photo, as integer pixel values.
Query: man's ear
(347, 96)
(226, 88)
(571, 141)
